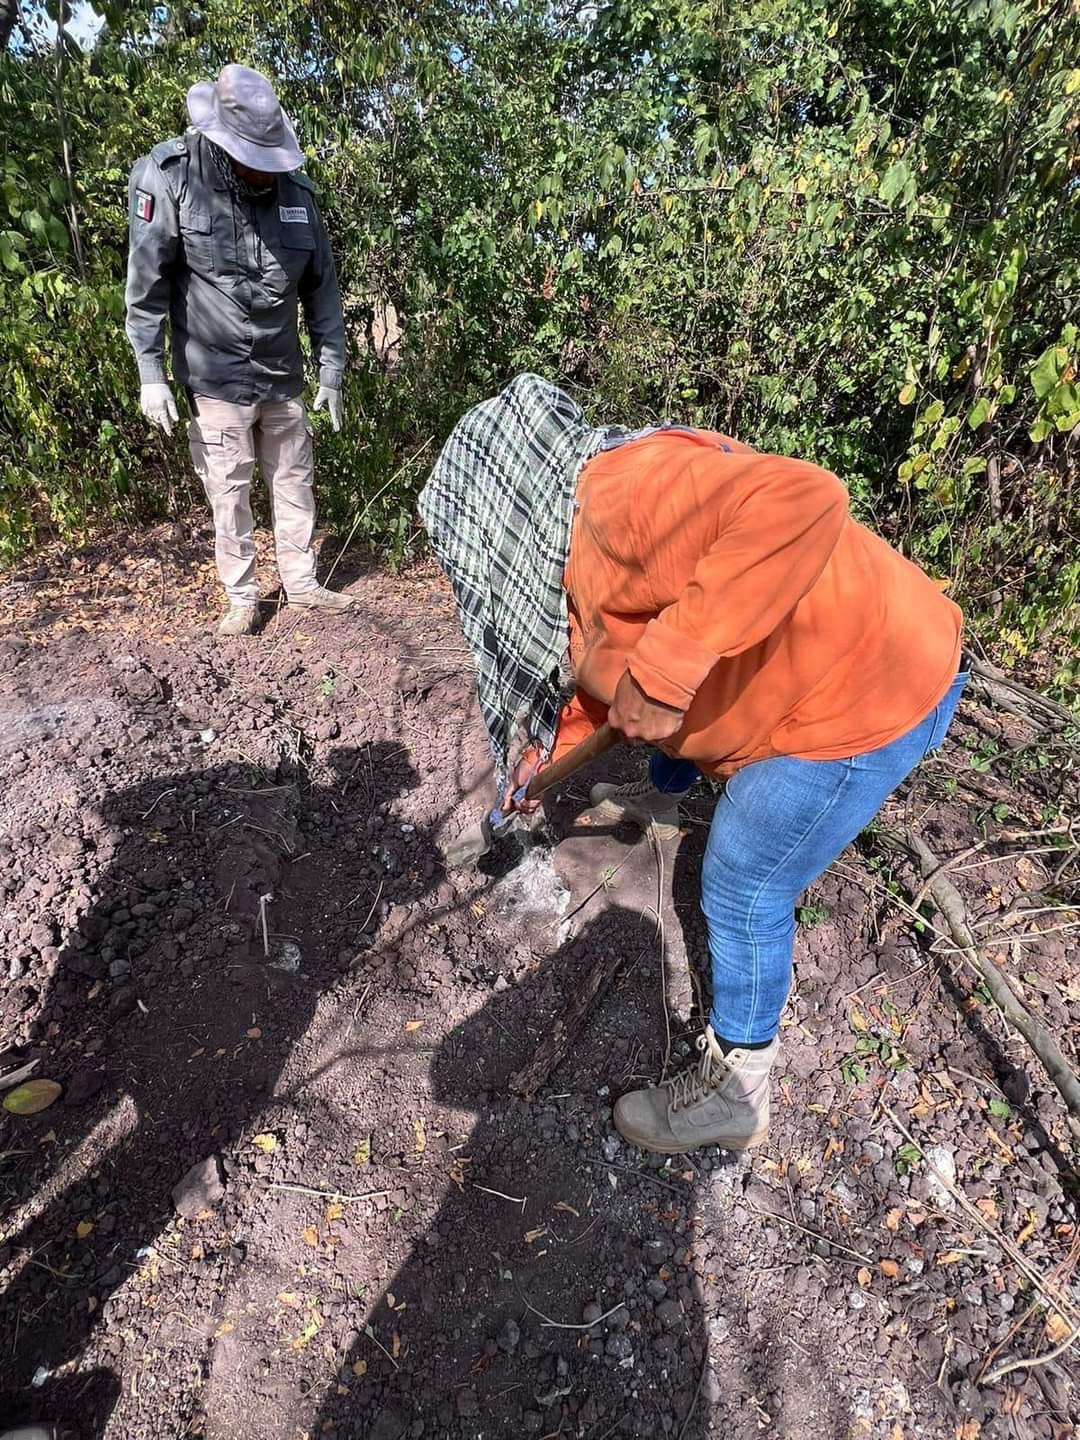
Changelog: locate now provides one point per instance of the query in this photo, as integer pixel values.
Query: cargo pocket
(289, 250)
(207, 456)
(196, 234)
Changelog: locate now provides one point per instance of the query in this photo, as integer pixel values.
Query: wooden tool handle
(598, 743)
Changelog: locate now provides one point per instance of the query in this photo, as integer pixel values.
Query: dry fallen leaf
(420, 1132)
(893, 1218)
(84, 1229)
(288, 1297)
(32, 1097)
(1057, 1328)
(395, 1345)
(225, 1328)
(531, 1236)
(949, 1257)
(988, 1206)
(864, 1277)
(889, 1268)
(311, 1236)
(362, 1153)
(968, 1430)
(411, 1025)
(266, 1143)
(254, 1033)
(1007, 1154)
(310, 1330)
(834, 1147)
(567, 1209)
(334, 1212)
(859, 1020)
(359, 1368)
(1029, 1229)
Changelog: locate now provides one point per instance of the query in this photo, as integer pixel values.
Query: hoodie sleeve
(772, 537)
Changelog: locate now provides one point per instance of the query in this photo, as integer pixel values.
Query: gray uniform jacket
(229, 274)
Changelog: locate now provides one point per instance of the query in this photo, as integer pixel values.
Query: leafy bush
(845, 232)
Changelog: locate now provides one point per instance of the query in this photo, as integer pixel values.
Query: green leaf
(9, 256)
(894, 181)
(56, 230)
(975, 465)
(978, 413)
(1048, 369)
(1000, 1109)
(35, 1095)
(933, 413)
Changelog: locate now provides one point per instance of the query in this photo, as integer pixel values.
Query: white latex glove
(331, 400)
(158, 406)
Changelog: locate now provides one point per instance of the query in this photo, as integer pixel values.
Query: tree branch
(951, 905)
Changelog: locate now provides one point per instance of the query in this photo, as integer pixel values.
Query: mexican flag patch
(144, 205)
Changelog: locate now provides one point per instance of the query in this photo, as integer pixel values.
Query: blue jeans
(778, 825)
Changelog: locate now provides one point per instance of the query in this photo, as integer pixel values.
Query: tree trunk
(9, 14)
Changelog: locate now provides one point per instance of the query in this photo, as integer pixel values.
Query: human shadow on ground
(551, 1220)
(168, 1024)
(549, 1215)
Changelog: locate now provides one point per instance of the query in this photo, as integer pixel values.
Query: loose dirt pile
(287, 1191)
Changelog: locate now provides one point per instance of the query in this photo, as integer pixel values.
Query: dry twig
(562, 1325)
(951, 906)
(1051, 1293)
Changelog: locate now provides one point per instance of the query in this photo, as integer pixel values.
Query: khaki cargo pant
(226, 441)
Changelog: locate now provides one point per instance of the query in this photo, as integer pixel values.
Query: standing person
(723, 606)
(226, 241)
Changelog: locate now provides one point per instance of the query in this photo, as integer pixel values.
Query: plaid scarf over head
(499, 508)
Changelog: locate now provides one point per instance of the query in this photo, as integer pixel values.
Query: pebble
(468, 1406)
(619, 1346)
(201, 1188)
(509, 1337)
(940, 1161)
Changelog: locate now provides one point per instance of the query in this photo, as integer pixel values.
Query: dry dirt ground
(287, 1191)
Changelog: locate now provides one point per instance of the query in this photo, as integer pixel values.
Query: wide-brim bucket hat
(240, 112)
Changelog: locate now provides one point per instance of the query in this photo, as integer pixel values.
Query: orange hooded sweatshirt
(737, 587)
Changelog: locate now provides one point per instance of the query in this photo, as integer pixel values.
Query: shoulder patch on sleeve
(168, 150)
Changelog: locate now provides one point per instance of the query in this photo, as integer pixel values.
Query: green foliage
(845, 232)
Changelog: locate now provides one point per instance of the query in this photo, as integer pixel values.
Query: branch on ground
(950, 904)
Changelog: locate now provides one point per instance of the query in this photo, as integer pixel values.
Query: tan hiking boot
(322, 599)
(717, 1100)
(639, 803)
(238, 620)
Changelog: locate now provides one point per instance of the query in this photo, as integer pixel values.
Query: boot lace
(635, 788)
(697, 1079)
